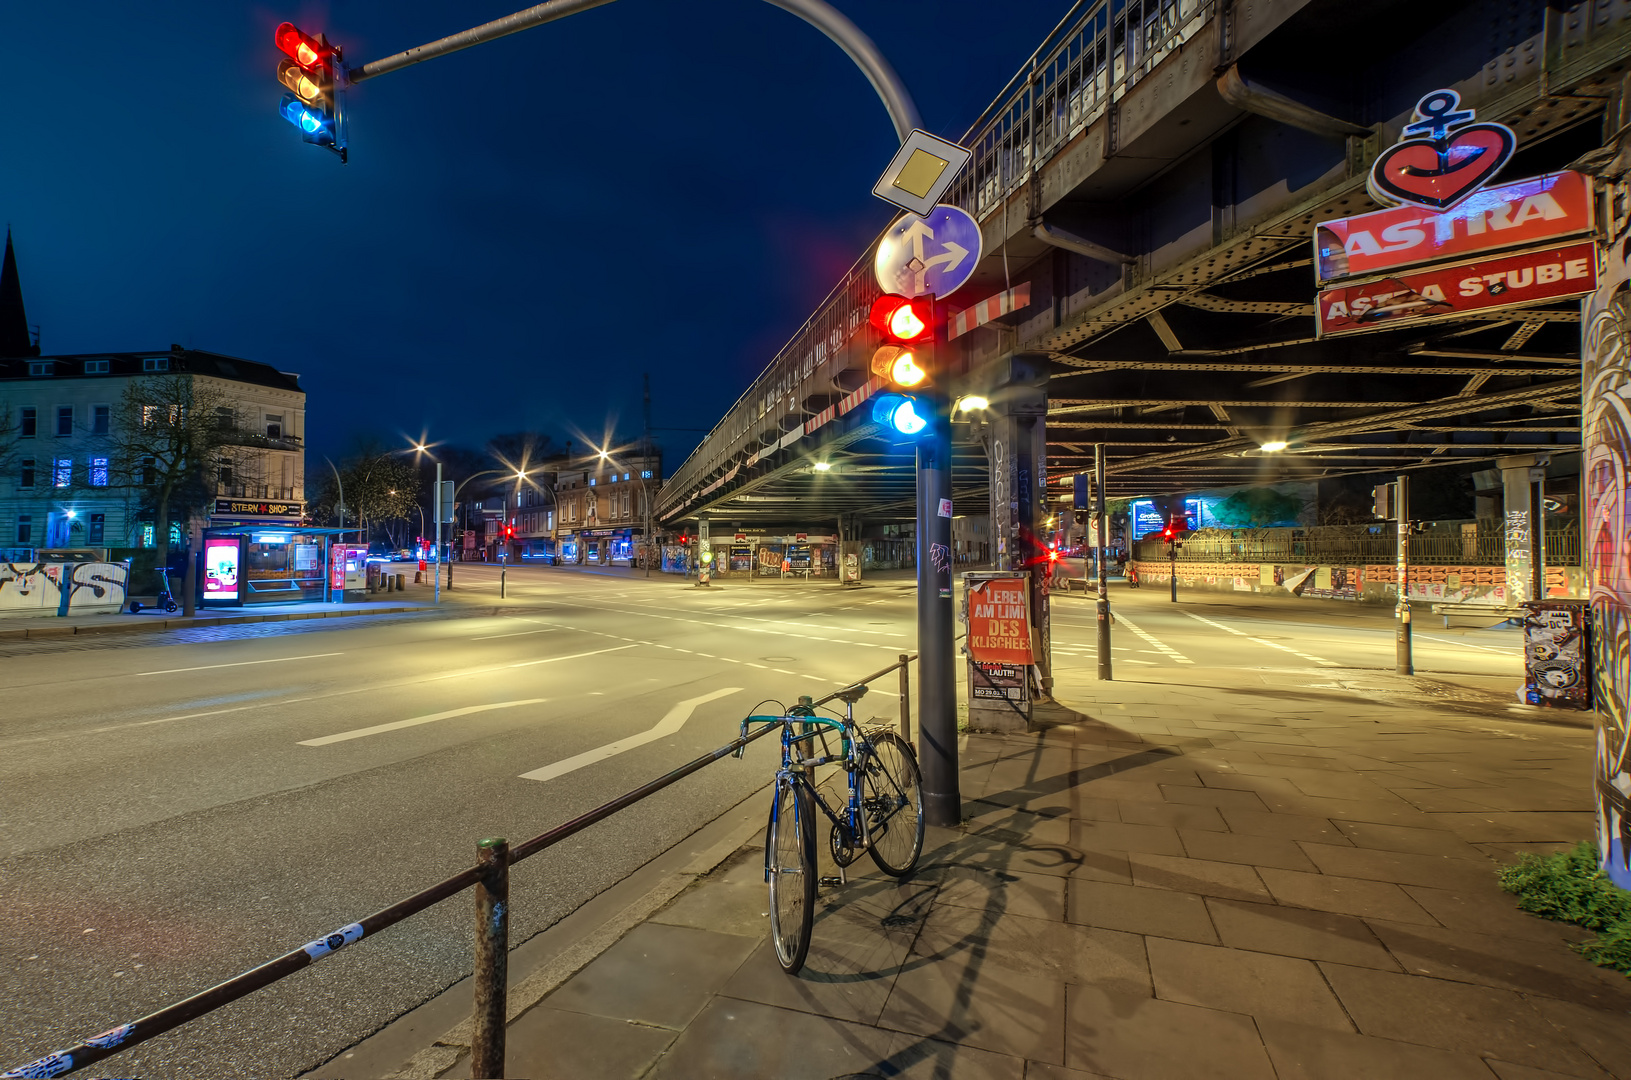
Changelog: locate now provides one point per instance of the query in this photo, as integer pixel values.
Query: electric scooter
(166, 598)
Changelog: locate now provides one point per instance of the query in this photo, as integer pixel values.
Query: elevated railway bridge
(1149, 187)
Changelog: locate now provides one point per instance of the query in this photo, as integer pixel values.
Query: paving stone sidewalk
(1286, 874)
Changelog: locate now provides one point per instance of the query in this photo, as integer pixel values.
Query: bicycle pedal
(830, 882)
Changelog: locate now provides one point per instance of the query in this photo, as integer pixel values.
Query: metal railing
(1094, 54)
(1481, 544)
(489, 877)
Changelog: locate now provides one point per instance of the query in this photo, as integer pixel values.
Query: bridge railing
(1482, 544)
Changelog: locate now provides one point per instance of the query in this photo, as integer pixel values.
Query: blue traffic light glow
(314, 126)
(906, 415)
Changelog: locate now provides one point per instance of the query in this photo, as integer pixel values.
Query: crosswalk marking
(1166, 650)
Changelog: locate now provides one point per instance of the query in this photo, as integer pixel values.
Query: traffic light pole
(1406, 662)
(937, 685)
(1172, 556)
(1104, 547)
(436, 570)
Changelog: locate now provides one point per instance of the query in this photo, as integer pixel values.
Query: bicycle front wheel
(790, 864)
(892, 800)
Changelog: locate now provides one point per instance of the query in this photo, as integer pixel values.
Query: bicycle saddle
(851, 694)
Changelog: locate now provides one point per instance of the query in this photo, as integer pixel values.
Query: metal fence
(1479, 543)
(491, 881)
(1097, 51)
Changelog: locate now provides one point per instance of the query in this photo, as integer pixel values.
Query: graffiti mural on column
(1606, 435)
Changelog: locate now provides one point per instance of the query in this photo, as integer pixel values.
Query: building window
(625, 476)
(645, 474)
(40, 367)
(27, 421)
(98, 527)
(150, 475)
(99, 472)
(225, 466)
(25, 528)
(25, 477)
(224, 418)
(64, 473)
(101, 418)
(96, 367)
(591, 481)
(65, 420)
(156, 363)
(147, 536)
(154, 415)
(274, 426)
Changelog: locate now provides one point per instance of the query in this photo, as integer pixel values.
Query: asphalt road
(176, 808)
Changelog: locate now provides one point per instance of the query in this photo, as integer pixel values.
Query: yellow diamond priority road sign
(921, 172)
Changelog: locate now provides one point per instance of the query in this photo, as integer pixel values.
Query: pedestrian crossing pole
(1104, 583)
(1406, 665)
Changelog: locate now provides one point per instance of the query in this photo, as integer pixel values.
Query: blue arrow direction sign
(934, 254)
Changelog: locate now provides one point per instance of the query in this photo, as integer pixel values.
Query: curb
(33, 633)
(432, 1061)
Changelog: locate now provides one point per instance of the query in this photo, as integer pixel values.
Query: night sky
(524, 227)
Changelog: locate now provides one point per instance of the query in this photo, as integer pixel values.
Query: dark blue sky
(524, 228)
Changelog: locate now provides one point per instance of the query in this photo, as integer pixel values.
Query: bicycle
(882, 816)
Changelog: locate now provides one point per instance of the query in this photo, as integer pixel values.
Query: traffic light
(906, 357)
(311, 103)
(1169, 533)
(901, 413)
(1382, 494)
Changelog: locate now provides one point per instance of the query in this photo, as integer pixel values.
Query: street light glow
(1273, 447)
(972, 402)
(822, 466)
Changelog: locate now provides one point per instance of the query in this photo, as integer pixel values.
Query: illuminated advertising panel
(1145, 518)
(1524, 212)
(221, 568)
(1441, 292)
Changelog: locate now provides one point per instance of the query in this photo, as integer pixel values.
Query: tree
(381, 487)
(167, 435)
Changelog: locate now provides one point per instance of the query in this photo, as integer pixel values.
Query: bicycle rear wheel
(892, 800)
(790, 863)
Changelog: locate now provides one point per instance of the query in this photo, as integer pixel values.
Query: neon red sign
(1523, 212)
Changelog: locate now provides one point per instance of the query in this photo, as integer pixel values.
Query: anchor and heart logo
(1445, 157)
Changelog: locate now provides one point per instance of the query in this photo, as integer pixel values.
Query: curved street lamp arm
(818, 13)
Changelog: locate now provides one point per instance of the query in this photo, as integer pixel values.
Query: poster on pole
(999, 623)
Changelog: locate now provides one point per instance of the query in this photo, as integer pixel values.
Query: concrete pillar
(1521, 525)
(1018, 395)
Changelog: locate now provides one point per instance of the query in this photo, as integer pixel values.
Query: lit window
(147, 536)
(99, 472)
(625, 476)
(64, 472)
(591, 481)
(645, 474)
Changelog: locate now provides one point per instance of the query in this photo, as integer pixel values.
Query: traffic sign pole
(1104, 550)
(937, 686)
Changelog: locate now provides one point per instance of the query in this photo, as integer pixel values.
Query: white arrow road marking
(240, 663)
(668, 725)
(415, 721)
(1166, 650)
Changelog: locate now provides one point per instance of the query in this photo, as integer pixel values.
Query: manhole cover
(779, 659)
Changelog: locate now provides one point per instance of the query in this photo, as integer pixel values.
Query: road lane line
(1220, 626)
(396, 725)
(668, 725)
(240, 663)
(518, 633)
(574, 656)
(1294, 652)
(1465, 644)
(1164, 649)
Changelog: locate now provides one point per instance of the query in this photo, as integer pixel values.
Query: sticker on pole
(945, 508)
(935, 254)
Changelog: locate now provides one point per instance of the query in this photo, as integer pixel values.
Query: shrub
(1570, 887)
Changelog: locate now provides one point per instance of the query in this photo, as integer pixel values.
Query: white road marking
(1166, 650)
(1130, 660)
(1261, 641)
(518, 633)
(396, 725)
(574, 656)
(240, 663)
(1218, 625)
(1467, 645)
(668, 725)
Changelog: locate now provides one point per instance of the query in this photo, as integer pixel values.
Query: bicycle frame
(795, 769)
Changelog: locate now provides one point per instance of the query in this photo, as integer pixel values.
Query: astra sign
(1524, 212)
(1447, 292)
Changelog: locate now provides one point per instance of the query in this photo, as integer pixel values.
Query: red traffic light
(903, 319)
(303, 49)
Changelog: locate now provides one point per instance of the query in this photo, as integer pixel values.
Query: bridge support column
(1019, 482)
(1522, 522)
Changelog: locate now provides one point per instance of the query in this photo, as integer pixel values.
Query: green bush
(1570, 887)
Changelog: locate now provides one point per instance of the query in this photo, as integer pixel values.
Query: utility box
(1000, 649)
(1557, 654)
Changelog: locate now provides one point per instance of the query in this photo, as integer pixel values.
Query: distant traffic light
(906, 358)
(311, 103)
(1169, 532)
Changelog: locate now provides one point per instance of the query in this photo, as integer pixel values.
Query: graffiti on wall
(56, 588)
(1606, 437)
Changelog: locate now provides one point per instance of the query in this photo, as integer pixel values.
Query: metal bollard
(492, 960)
(501, 572)
(905, 699)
